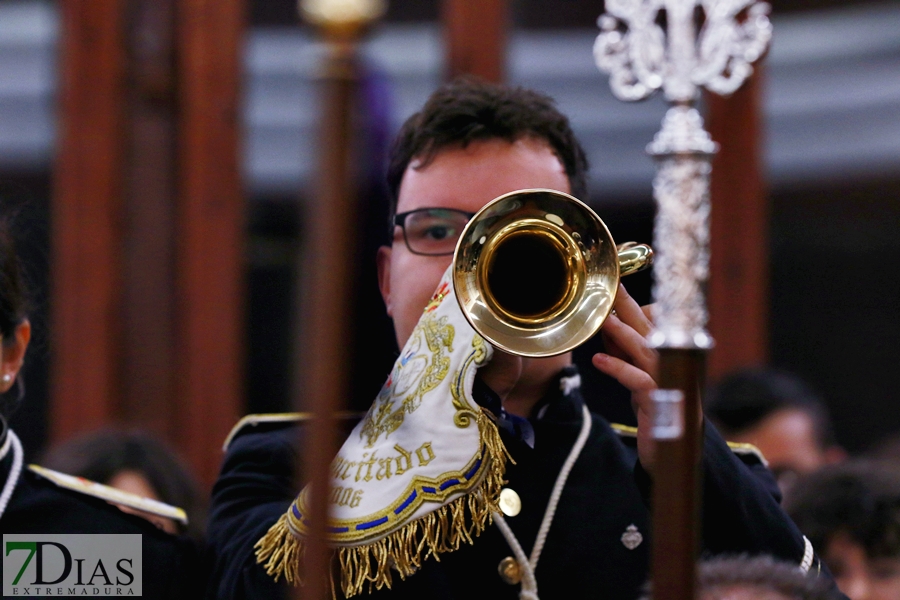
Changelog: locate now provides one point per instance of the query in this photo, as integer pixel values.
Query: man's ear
(13, 355)
(383, 259)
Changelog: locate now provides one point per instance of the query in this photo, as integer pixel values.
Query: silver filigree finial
(679, 46)
(642, 57)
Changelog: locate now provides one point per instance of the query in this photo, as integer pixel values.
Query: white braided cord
(16, 470)
(529, 582)
(808, 553)
(528, 590)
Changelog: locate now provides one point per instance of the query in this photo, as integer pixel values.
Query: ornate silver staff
(679, 46)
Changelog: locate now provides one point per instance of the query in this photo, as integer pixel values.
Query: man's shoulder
(261, 424)
(748, 454)
(268, 427)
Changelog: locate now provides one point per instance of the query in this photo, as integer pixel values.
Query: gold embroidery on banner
(423, 451)
(389, 513)
(404, 456)
(413, 377)
(400, 552)
(464, 411)
(342, 469)
(346, 496)
(390, 543)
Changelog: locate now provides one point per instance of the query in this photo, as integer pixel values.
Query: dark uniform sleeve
(742, 511)
(741, 507)
(255, 487)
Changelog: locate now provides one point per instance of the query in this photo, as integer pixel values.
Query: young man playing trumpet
(542, 497)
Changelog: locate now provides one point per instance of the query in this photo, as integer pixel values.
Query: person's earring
(7, 378)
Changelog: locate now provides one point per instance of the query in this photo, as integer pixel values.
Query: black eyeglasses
(432, 231)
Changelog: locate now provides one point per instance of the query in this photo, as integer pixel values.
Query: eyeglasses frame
(399, 220)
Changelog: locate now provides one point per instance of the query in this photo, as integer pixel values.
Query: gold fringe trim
(442, 530)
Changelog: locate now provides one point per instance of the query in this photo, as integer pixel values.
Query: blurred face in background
(789, 441)
(860, 576)
(136, 483)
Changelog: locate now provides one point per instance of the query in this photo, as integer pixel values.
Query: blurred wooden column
(331, 242)
(87, 210)
(210, 228)
(739, 242)
(147, 223)
(148, 342)
(475, 37)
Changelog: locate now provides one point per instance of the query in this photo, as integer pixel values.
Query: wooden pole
(149, 337)
(739, 267)
(475, 33)
(87, 217)
(676, 482)
(331, 248)
(210, 225)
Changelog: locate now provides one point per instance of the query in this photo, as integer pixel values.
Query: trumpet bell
(536, 272)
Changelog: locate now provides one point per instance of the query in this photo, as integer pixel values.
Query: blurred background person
(38, 501)
(138, 462)
(851, 514)
(780, 414)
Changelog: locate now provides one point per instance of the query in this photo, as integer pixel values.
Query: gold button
(509, 571)
(510, 503)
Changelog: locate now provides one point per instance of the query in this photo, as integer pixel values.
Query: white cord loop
(16, 470)
(528, 590)
(808, 554)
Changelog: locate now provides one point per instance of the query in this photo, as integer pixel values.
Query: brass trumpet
(536, 272)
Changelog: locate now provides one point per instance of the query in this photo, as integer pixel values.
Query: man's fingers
(627, 374)
(631, 312)
(630, 345)
(611, 347)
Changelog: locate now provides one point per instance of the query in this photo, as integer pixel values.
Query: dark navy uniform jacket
(171, 564)
(584, 556)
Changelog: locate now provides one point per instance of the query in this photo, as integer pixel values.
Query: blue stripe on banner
(296, 512)
(474, 470)
(371, 524)
(428, 490)
(400, 508)
(338, 529)
(448, 483)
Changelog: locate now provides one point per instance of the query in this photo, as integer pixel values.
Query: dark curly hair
(860, 499)
(13, 308)
(13, 303)
(467, 110)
